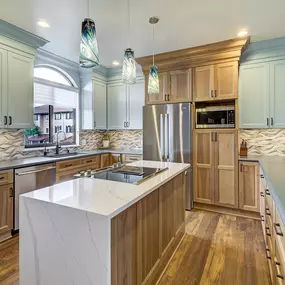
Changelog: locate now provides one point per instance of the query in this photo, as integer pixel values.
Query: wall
(264, 141)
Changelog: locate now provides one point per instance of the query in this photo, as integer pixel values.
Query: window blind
(58, 97)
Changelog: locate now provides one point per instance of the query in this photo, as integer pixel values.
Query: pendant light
(129, 64)
(153, 82)
(89, 55)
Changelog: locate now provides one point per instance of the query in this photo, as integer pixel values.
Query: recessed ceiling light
(242, 33)
(116, 63)
(43, 23)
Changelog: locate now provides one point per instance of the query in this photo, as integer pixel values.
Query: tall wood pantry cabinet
(174, 86)
(215, 167)
(216, 82)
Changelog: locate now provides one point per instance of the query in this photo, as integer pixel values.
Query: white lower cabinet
(16, 90)
(125, 104)
(100, 105)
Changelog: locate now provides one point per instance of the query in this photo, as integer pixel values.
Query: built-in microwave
(215, 117)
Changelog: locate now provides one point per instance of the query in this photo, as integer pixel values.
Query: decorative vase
(106, 143)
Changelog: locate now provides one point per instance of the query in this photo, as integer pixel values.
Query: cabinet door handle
(267, 192)
(11, 192)
(277, 265)
(241, 168)
(267, 231)
(272, 121)
(94, 124)
(211, 94)
(168, 97)
(216, 136)
(165, 97)
(125, 124)
(268, 253)
(278, 230)
(10, 120)
(212, 137)
(261, 194)
(128, 124)
(267, 122)
(261, 176)
(215, 93)
(262, 218)
(68, 165)
(267, 211)
(5, 120)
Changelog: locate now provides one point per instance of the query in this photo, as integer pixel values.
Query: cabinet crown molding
(17, 34)
(229, 50)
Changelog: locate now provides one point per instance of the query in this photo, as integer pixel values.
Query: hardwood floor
(217, 249)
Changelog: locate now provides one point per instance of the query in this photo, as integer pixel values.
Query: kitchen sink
(65, 154)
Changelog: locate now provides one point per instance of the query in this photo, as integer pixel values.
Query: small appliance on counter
(215, 117)
(122, 173)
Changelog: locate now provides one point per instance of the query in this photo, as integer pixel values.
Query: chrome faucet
(58, 147)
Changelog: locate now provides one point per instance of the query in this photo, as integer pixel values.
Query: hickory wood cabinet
(144, 236)
(249, 186)
(174, 86)
(215, 167)
(216, 82)
(6, 203)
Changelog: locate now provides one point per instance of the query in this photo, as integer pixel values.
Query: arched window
(55, 108)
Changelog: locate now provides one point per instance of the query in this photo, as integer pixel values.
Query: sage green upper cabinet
(277, 94)
(3, 86)
(100, 105)
(20, 91)
(254, 96)
(135, 105)
(117, 106)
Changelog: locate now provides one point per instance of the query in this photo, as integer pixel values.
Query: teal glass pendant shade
(129, 67)
(153, 82)
(89, 55)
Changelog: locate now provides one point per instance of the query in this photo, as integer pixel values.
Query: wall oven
(215, 117)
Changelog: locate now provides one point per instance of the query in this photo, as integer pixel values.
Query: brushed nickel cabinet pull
(267, 231)
(267, 211)
(277, 266)
(278, 230)
(241, 168)
(267, 122)
(5, 120)
(267, 192)
(268, 253)
(10, 120)
(272, 122)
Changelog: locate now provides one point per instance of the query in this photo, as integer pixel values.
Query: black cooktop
(126, 174)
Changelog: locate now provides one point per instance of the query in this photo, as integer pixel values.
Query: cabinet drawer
(279, 231)
(67, 164)
(6, 177)
(269, 203)
(131, 158)
(91, 160)
(278, 267)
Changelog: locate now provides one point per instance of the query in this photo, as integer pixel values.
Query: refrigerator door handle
(166, 124)
(162, 137)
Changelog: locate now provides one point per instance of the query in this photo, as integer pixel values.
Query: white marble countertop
(102, 197)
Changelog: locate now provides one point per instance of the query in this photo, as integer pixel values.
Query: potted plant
(106, 140)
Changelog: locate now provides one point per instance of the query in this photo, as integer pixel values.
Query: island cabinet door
(226, 165)
(6, 210)
(203, 167)
(249, 186)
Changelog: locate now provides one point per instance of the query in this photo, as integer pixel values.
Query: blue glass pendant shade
(89, 55)
(129, 67)
(153, 82)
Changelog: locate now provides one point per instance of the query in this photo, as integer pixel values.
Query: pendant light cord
(88, 9)
(153, 45)
(129, 14)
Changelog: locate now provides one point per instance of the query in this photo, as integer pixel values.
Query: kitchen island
(92, 231)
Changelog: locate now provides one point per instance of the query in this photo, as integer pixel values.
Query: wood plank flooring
(217, 249)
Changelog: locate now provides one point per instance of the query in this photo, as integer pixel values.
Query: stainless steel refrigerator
(167, 136)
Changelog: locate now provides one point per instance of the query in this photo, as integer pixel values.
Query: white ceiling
(183, 23)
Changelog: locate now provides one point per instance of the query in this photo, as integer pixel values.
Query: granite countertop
(31, 161)
(273, 168)
(103, 197)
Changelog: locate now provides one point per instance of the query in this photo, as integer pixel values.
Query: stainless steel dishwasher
(29, 179)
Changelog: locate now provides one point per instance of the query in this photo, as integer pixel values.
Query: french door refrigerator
(167, 136)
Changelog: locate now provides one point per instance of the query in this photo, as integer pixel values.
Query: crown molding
(17, 34)
(196, 56)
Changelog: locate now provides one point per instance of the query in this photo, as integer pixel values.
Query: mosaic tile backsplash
(12, 142)
(264, 141)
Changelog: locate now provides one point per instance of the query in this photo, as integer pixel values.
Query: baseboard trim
(227, 211)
